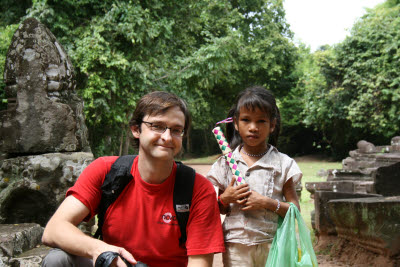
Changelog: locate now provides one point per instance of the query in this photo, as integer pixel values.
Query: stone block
(340, 174)
(387, 180)
(323, 222)
(372, 223)
(387, 159)
(334, 186)
(17, 238)
(364, 187)
(350, 163)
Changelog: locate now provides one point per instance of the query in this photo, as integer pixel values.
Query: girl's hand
(255, 201)
(237, 194)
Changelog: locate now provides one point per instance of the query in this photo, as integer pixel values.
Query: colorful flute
(227, 152)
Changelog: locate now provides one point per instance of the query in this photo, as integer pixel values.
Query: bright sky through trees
(320, 22)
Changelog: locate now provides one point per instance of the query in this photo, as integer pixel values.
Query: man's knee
(60, 258)
(57, 257)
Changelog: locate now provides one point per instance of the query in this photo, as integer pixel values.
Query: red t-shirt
(142, 220)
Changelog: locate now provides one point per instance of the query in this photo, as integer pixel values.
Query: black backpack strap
(120, 175)
(114, 183)
(183, 191)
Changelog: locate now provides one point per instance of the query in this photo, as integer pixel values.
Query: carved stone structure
(361, 190)
(44, 114)
(43, 144)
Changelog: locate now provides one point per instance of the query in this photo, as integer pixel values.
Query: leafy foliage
(351, 91)
(204, 51)
(372, 69)
(6, 33)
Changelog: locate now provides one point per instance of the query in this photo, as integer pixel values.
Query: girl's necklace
(254, 155)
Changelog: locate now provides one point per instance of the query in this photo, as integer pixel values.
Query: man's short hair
(156, 103)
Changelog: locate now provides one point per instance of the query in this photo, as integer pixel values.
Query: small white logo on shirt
(167, 217)
(182, 208)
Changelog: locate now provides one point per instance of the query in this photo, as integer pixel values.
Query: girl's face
(254, 127)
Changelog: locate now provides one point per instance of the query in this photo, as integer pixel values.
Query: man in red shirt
(141, 224)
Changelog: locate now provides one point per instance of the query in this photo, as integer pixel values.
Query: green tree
(351, 91)
(370, 59)
(298, 136)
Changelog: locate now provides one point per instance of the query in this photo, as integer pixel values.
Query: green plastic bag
(287, 250)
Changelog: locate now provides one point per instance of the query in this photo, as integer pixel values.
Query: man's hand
(235, 194)
(117, 262)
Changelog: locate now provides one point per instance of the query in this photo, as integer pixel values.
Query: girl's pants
(239, 255)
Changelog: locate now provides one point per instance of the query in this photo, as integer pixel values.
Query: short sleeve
(87, 189)
(204, 230)
(293, 172)
(218, 173)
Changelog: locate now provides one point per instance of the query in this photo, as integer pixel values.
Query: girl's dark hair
(252, 98)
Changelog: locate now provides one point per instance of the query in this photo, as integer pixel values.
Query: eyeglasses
(161, 128)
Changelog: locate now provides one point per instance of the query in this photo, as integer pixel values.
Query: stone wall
(44, 140)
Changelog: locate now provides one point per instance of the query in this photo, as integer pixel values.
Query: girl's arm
(258, 201)
(289, 191)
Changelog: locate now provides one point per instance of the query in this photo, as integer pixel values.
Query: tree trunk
(206, 141)
(121, 141)
(125, 150)
(127, 131)
(188, 150)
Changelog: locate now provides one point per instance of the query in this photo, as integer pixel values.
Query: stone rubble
(361, 201)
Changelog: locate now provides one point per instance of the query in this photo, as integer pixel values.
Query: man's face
(160, 146)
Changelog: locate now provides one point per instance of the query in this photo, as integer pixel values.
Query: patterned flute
(227, 152)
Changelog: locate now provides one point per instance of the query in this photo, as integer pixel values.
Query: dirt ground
(331, 252)
(334, 251)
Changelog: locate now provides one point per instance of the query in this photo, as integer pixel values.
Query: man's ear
(135, 131)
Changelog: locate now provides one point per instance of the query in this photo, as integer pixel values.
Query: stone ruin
(44, 140)
(360, 203)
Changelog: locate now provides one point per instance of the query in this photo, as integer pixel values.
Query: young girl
(252, 209)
